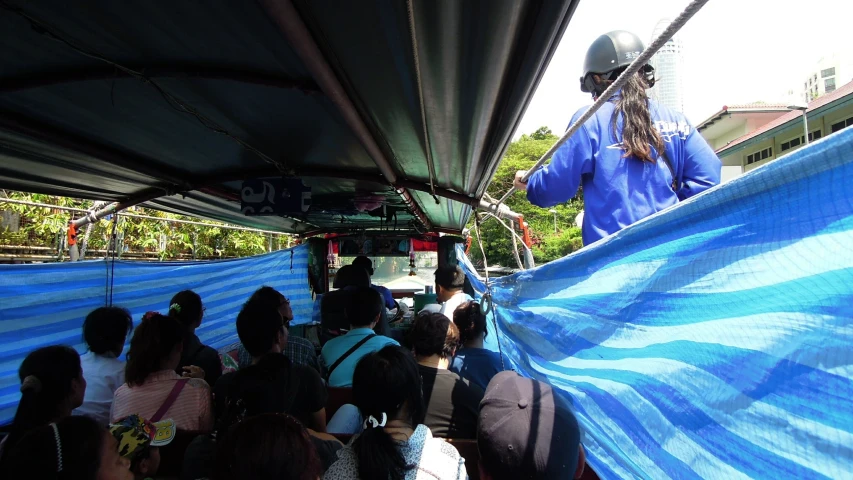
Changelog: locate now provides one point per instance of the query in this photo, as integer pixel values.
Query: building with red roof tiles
(748, 136)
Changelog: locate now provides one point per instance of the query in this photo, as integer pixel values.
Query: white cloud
(736, 51)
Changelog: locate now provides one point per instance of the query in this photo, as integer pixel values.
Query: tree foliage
(45, 227)
(522, 154)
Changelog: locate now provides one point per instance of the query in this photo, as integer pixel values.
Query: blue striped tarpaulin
(712, 340)
(45, 304)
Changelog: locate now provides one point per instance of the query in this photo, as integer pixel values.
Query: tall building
(830, 72)
(669, 70)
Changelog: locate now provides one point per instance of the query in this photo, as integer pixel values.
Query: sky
(736, 51)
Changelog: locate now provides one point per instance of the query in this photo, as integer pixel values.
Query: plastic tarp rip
(46, 304)
(712, 340)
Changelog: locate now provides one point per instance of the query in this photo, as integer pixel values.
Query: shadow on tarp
(711, 340)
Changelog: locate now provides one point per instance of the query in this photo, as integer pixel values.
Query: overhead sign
(274, 196)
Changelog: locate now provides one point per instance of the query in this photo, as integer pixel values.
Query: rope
(488, 294)
(515, 238)
(414, 36)
(632, 69)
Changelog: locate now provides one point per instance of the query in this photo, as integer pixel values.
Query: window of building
(829, 72)
(801, 140)
(759, 155)
(829, 84)
(841, 125)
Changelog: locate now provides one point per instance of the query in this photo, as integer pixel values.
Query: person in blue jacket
(634, 157)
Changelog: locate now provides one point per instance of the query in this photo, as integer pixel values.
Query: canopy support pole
(287, 18)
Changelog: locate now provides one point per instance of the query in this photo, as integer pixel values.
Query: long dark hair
(267, 446)
(186, 307)
(386, 382)
(46, 384)
(638, 131)
(153, 341)
(37, 455)
(470, 321)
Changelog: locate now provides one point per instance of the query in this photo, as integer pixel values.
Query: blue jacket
(619, 191)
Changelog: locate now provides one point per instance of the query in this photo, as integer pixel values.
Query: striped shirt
(191, 411)
(299, 350)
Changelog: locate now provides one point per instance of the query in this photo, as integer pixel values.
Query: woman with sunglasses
(473, 362)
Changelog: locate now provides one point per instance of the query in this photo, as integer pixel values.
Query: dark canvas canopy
(176, 103)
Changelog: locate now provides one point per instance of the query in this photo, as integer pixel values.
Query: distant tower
(669, 70)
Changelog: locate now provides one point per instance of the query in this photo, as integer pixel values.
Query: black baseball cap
(526, 431)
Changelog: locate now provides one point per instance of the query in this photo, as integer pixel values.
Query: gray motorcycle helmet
(611, 51)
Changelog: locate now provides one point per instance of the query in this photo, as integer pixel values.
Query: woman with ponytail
(52, 385)
(153, 389)
(74, 448)
(394, 445)
(634, 157)
(473, 362)
(186, 308)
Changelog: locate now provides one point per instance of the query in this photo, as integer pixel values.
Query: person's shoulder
(304, 371)
(384, 341)
(198, 383)
(301, 341)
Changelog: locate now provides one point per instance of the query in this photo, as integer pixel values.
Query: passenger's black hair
(46, 378)
(269, 446)
(267, 296)
(386, 381)
(450, 277)
(152, 342)
(186, 307)
(36, 455)
(364, 306)
(470, 321)
(257, 326)
(434, 334)
(105, 328)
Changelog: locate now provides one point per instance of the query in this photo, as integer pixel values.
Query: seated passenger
(104, 331)
(387, 297)
(139, 442)
(452, 402)
(265, 447)
(394, 444)
(52, 385)
(153, 390)
(341, 354)
(449, 282)
(299, 350)
(272, 384)
(472, 361)
(72, 448)
(526, 431)
(186, 308)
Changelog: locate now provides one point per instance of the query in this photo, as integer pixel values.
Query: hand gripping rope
(632, 69)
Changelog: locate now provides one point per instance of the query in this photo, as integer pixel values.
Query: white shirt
(431, 458)
(103, 374)
(452, 303)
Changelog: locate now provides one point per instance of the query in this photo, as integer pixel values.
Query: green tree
(45, 227)
(522, 154)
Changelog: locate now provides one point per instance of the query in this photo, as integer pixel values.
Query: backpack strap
(173, 395)
(347, 354)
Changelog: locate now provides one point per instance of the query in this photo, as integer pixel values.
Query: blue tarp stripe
(45, 304)
(711, 340)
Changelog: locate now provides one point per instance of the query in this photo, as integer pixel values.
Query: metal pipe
(285, 15)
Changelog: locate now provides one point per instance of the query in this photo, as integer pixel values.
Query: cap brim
(165, 433)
